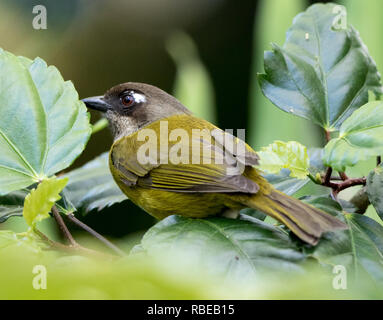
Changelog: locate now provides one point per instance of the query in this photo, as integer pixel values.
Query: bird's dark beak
(97, 103)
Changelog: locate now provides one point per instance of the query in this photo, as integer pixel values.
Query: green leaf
(359, 249)
(324, 203)
(349, 206)
(7, 237)
(323, 72)
(26, 241)
(290, 155)
(360, 138)
(10, 211)
(92, 186)
(43, 125)
(285, 183)
(39, 202)
(375, 189)
(12, 204)
(89, 187)
(316, 160)
(231, 248)
(265, 31)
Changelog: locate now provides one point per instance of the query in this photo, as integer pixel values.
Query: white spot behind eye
(138, 98)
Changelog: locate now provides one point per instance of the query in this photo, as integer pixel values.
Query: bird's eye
(127, 100)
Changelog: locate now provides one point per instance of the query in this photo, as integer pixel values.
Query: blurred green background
(207, 53)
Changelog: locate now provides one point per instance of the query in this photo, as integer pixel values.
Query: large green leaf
(227, 247)
(89, 187)
(375, 189)
(360, 138)
(359, 249)
(92, 186)
(259, 132)
(43, 125)
(323, 72)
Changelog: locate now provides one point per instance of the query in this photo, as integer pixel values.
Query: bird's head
(131, 106)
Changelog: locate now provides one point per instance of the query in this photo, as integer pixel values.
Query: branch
(360, 199)
(63, 227)
(327, 135)
(343, 176)
(327, 177)
(345, 183)
(72, 249)
(73, 245)
(96, 234)
(351, 182)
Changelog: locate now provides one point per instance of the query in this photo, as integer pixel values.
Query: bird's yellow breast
(160, 203)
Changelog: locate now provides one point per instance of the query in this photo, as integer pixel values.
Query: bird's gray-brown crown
(130, 106)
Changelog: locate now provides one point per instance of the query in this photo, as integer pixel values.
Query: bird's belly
(161, 204)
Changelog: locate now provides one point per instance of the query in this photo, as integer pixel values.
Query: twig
(339, 186)
(73, 245)
(332, 178)
(63, 227)
(52, 243)
(327, 135)
(327, 177)
(71, 248)
(345, 183)
(96, 234)
(343, 176)
(351, 182)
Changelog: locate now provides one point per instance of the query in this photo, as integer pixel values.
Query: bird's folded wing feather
(205, 165)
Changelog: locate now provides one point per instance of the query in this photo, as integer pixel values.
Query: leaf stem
(312, 178)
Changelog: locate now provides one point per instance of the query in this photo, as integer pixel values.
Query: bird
(189, 169)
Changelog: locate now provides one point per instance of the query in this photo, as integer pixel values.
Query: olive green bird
(199, 184)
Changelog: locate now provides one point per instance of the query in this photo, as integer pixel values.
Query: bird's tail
(307, 222)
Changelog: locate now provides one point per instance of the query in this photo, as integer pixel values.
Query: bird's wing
(191, 163)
